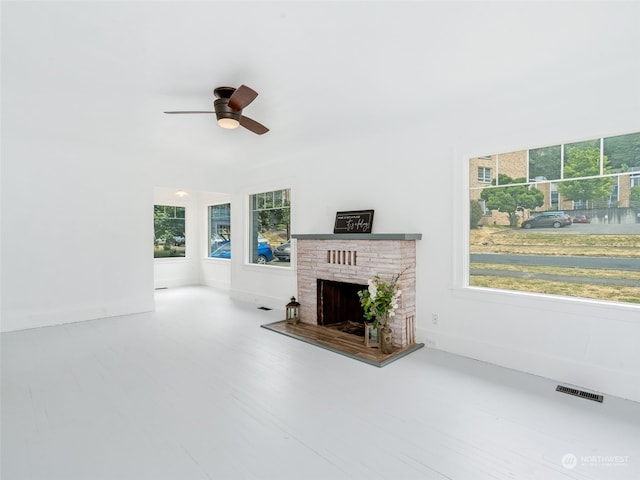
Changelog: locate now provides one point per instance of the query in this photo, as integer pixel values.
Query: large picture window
(270, 228)
(559, 220)
(169, 228)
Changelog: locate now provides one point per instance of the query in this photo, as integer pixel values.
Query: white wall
(72, 249)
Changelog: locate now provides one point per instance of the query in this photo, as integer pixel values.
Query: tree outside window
(169, 231)
(589, 192)
(623, 152)
(545, 163)
(512, 199)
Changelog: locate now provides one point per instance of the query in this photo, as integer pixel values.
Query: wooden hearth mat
(340, 342)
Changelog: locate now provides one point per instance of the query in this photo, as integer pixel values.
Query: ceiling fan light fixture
(228, 107)
(228, 123)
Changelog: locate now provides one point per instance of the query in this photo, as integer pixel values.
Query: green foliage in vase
(380, 299)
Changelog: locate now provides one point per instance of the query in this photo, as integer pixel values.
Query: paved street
(602, 263)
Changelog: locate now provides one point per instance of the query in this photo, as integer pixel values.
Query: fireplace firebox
(339, 302)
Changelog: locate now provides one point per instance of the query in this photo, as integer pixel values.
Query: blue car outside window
(224, 251)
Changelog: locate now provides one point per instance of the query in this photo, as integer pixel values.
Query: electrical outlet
(434, 318)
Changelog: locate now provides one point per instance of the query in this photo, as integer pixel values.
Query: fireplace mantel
(357, 236)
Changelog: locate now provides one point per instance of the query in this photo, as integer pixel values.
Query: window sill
(538, 301)
(171, 259)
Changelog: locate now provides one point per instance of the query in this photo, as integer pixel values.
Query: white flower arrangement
(380, 299)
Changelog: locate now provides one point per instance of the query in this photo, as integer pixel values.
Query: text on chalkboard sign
(358, 221)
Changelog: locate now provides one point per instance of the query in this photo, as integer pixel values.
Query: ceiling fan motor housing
(223, 92)
(223, 110)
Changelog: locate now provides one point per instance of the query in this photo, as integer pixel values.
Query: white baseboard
(259, 300)
(567, 371)
(26, 321)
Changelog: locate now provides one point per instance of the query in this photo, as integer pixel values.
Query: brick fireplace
(335, 259)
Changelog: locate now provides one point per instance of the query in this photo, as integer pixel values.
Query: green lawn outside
(506, 240)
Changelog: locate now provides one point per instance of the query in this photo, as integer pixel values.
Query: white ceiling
(98, 75)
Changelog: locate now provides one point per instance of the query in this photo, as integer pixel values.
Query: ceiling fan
(228, 108)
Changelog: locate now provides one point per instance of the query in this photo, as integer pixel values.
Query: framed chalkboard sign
(358, 221)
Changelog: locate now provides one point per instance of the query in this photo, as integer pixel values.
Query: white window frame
(460, 287)
(248, 258)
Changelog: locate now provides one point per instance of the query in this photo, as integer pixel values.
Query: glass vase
(386, 339)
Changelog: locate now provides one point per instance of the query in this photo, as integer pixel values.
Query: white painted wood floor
(197, 390)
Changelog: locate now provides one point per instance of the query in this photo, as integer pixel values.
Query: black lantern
(293, 311)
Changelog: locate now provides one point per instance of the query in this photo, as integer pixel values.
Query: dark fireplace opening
(339, 306)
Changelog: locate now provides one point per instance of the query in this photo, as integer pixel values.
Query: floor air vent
(580, 393)
(264, 308)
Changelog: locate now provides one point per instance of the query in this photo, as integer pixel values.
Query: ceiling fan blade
(251, 124)
(242, 97)
(191, 112)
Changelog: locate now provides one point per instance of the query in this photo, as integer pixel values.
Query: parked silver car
(555, 220)
(283, 252)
